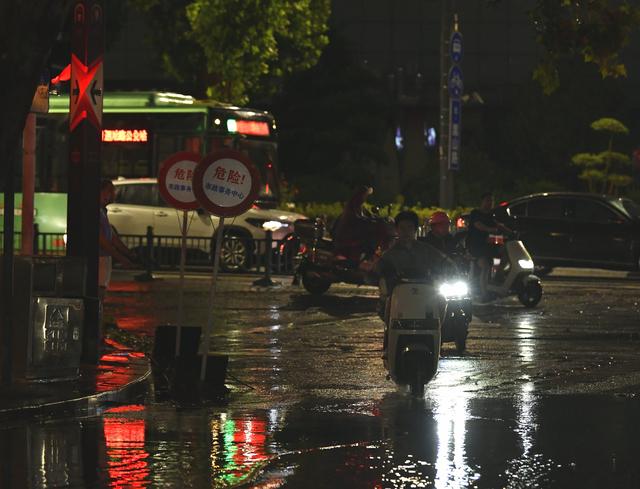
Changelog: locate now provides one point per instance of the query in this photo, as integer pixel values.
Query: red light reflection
(127, 458)
(250, 439)
(134, 306)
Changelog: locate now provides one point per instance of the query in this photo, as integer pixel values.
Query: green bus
(141, 129)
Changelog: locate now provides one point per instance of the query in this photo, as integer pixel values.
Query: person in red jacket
(354, 232)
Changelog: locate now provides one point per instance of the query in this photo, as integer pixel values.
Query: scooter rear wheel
(530, 294)
(416, 387)
(315, 285)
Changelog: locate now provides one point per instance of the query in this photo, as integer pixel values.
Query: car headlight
(272, 223)
(451, 290)
(526, 264)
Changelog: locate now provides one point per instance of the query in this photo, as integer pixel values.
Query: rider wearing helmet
(482, 223)
(439, 235)
(410, 259)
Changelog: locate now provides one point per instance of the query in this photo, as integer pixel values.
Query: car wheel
(234, 255)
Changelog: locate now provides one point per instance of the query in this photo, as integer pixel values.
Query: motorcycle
(511, 271)
(319, 265)
(418, 315)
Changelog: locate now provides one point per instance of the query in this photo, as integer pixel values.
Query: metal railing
(157, 253)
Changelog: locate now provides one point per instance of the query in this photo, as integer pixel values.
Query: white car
(138, 204)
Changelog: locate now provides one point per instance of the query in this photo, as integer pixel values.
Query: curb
(90, 403)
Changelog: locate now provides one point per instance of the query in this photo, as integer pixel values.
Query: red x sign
(86, 93)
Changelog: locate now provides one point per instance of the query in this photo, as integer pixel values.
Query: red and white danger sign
(226, 183)
(175, 180)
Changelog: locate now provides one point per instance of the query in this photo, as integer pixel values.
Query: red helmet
(439, 218)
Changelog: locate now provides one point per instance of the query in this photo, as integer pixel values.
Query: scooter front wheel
(530, 294)
(313, 284)
(461, 342)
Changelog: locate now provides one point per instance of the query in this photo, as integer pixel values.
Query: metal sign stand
(226, 184)
(212, 290)
(174, 184)
(183, 260)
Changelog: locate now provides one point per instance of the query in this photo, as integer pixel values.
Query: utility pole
(450, 102)
(446, 177)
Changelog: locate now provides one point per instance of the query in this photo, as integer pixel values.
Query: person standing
(111, 246)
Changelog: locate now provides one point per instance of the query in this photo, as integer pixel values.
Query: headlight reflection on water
(451, 415)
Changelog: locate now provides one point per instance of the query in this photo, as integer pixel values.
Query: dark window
(121, 194)
(590, 211)
(156, 198)
(546, 208)
(136, 194)
(518, 209)
(631, 207)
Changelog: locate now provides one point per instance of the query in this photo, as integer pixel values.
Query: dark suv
(576, 229)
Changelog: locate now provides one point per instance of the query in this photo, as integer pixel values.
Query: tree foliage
(227, 48)
(333, 119)
(607, 171)
(594, 30)
(27, 32)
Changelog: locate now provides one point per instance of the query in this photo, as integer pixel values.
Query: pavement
(123, 370)
(120, 376)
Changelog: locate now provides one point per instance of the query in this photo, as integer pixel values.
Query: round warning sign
(175, 180)
(226, 183)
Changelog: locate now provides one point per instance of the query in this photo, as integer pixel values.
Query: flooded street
(542, 398)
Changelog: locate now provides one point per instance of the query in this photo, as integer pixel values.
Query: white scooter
(414, 317)
(511, 272)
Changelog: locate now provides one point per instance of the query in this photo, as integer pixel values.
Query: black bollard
(266, 280)
(147, 275)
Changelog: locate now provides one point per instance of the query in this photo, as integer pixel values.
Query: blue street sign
(455, 44)
(455, 112)
(455, 128)
(455, 82)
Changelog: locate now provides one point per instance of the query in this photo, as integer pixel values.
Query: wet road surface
(542, 398)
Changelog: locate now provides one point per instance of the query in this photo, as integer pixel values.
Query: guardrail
(163, 252)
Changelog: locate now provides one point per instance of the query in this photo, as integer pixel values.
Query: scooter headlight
(453, 290)
(526, 264)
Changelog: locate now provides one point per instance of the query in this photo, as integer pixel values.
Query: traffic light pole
(85, 126)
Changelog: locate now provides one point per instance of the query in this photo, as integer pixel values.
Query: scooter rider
(408, 258)
(354, 229)
(481, 225)
(439, 235)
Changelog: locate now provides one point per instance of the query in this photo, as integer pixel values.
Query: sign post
(226, 184)
(85, 125)
(175, 185)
